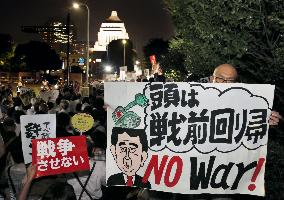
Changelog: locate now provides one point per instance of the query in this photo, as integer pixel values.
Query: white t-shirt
(94, 186)
(31, 111)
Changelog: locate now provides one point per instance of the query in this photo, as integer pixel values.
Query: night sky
(144, 19)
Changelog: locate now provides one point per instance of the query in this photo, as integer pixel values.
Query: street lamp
(123, 42)
(108, 68)
(77, 6)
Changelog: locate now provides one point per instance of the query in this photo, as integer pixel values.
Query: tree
(115, 54)
(157, 47)
(245, 33)
(35, 56)
(173, 66)
(7, 49)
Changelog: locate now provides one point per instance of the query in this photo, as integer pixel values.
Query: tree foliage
(116, 54)
(157, 47)
(7, 49)
(173, 66)
(172, 62)
(35, 56)
(245, 33)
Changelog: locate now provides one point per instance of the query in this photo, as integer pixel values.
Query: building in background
(111, 29)
(58, 38)
(80, 47)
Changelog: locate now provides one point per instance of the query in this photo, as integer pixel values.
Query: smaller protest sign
(85, 91)
(60, 155)
(153, 59)
(27, 96)
(53, 95)
(44, 95)
(82, 122)
(23, 90)
(50, 95)
(36, 127)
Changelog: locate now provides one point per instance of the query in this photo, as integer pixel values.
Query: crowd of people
(17, 180)
(68, 103)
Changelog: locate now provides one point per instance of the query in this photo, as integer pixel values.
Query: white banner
(188, 138)
(36, 127)
(50, 95)
(24, 90)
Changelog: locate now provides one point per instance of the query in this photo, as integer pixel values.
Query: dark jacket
(117, 179)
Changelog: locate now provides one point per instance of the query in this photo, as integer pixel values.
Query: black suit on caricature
(118, 179)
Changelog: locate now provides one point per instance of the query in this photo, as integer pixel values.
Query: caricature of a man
(129, 148)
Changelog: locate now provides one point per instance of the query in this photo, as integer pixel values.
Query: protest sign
(53, 95)
(153, 60)
(44, 95)
(23, 90)
(188, 138)
(27, 96)
(60, 155)
(49, 95)
(36, 127)
(84, 91)
(82, 122)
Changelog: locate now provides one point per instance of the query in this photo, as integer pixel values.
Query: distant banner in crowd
(27, 96)
(153, 60)
(82, 122)
(85, 91)
(188, 138)
(50, 95)
(36, 127)
(23, 90)
(60, 155)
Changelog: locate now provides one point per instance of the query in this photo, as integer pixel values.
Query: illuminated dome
(113, 18)
(111, 29)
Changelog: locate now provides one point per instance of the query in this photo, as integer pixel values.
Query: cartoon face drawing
(129, 149)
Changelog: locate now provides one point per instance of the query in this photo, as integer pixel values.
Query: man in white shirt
(88, 184)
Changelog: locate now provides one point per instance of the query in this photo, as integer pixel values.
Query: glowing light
(76, 5)
(108, 68)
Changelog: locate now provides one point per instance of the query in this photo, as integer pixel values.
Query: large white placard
(188, 138)
(36, 127)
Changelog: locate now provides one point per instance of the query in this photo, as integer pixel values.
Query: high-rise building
(58, 38)
(111, 29)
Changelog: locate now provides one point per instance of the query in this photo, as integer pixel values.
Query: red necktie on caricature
(129, 181)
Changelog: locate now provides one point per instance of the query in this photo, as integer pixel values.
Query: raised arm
(27, 181)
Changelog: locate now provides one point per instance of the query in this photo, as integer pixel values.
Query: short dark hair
(88, 109)
(16, 152)
(50, 105)
(99, 139)
(132, 133)
(78, 107)
(17, 115)
(85, 100)
(58, 100)
(62, 120)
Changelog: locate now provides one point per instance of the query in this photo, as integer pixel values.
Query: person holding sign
(27, 181)
(129, 148)
(226, 73)
(88, 183)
